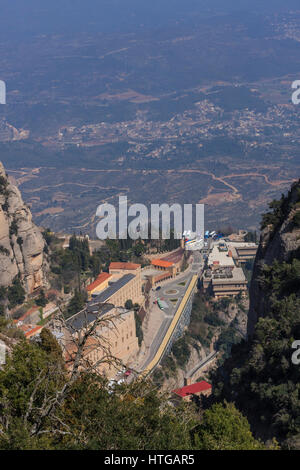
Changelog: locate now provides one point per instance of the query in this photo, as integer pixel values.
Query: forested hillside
(260, 376)
(44, 407)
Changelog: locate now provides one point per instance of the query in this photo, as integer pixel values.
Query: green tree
(135, 416)
(223, 427)
(49, 344)
(15, 293)
(138, 326)
(28, 367)
(296, 220)
(41, 301)
(76, 304)
(129, 304)
(139, 249)
(181, 350)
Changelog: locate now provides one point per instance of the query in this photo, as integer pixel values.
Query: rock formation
(21, 242)
(275, 244)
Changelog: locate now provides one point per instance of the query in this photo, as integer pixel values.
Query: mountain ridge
(21, 242)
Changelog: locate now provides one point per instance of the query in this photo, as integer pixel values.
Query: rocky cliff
(21, 242)
(261, 376)
(279, 240)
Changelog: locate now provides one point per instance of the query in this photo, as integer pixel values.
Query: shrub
(296, 220)
(16, 293)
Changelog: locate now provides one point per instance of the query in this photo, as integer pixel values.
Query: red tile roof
(30, 330)
(27, 314)
(161, 263)
(129, 266)
(33, 332)
(100, 279)
(192, 389)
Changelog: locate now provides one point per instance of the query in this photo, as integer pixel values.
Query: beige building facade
(229, 285)
(224, 276)
(243, 252)
(133, 290)
(116, 337)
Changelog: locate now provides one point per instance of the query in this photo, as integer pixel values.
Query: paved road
(203, 363)
(166, 293)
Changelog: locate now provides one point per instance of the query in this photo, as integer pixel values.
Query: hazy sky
(48, 16)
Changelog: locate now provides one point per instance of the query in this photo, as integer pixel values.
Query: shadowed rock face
(273, 246)
(21, 242)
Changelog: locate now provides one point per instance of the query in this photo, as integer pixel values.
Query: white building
(220, 257)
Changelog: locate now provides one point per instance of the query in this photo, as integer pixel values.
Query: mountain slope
(280, 240)
(260, 376)
(21, 242)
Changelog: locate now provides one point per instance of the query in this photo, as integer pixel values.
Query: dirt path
(266, 178)
(83, 185)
